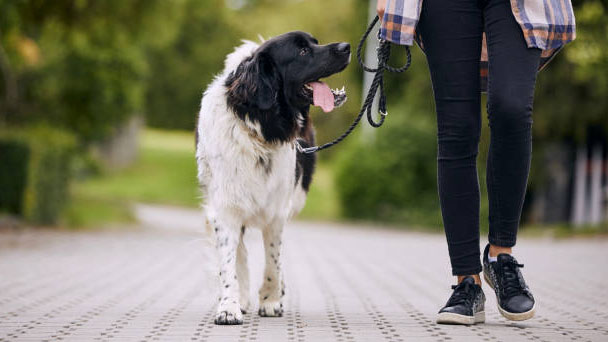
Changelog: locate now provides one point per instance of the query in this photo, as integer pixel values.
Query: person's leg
(512, 76)
(451, 32)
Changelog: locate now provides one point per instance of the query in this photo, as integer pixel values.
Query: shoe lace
(463, 294)
(511, 284)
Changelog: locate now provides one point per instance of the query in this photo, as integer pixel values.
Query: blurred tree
(209, 30)
(79, 64)
(180, 72)
(571, 96)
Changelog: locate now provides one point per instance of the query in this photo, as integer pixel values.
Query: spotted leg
(242, 273)
(272, 291)
(227, 240)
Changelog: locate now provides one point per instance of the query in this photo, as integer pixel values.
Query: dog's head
(276, 85)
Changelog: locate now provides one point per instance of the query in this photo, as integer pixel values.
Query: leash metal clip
(301, 149)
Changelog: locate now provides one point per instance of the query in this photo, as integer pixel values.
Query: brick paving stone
(157, 283)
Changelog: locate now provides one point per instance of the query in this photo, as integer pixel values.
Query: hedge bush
(35, 172)
(14, 157)
(391, 176)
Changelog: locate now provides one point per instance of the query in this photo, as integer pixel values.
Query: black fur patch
(253, 93)
(305, 163)
(266, 164)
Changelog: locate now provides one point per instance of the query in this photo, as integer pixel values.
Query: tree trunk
(120, 150)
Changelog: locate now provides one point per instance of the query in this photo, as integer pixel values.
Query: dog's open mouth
(319, 94)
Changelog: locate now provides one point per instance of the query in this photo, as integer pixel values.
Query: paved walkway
(343, 284)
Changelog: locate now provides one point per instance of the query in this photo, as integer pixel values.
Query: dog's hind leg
(227, 240)
(242, 272)
(272, 291)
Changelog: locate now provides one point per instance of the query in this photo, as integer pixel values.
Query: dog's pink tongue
(322, 96)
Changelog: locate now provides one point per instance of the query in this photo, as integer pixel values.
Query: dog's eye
(304, 51)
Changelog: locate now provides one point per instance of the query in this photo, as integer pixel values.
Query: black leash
(384, 52)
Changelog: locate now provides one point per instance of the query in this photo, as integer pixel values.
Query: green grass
(165, 173)
(86, 212)
(322, 202)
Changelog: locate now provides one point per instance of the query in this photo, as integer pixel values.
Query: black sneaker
(465, 306)
(515, 301)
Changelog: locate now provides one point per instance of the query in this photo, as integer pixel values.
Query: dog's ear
(254, 83)
(269, 80)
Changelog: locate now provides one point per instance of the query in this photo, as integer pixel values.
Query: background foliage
(79, 65)
(35, 172)
(86, 66)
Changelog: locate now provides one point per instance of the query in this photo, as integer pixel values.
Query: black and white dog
(248, 166)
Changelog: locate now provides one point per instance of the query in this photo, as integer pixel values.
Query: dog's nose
(343, 48)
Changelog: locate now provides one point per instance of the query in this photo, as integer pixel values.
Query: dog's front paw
(270, 308)
(229, 315)
(229, 318)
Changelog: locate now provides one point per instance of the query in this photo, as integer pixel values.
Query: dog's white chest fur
(239, 173)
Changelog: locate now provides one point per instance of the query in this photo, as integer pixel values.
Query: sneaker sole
(522, 316)
(453, 318)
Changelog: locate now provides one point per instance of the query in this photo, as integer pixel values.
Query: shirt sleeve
(399, 21)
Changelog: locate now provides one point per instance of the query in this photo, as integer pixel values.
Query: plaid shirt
(546, 24)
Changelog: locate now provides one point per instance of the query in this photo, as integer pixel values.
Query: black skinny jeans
(452, 34)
